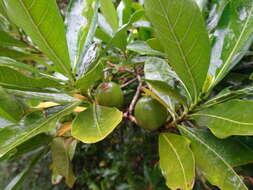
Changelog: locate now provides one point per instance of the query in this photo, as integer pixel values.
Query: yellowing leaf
(44, 105)
(64, 128)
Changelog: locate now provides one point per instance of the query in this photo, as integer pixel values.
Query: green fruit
(109, 94)
(150, 114)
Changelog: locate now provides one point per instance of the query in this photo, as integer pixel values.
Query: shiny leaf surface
(181, 30)
(161, 78)
(143, 49)
(91, 77)
(12, 78)
(74, 22)
(13, 135)
(233, 37)
(176, 161)
(213, 165)
(110, 13)
(225, 119)
(10, 108)
(7, 40)
(95, 123)
(42, 21)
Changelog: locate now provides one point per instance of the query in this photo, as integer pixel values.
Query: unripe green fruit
(150, 114)
(109, 94)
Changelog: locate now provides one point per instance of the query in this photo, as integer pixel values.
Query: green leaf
(88, 33)
(91, 77)
(10, 108)
(143, 49)
(13, 135)
(32, 144)
(216, 13)
(12, 78)
(95, 123)
(124, 11)
(176, 161)
(155, 44)
(74, 22)
(233, 38)
(89, 60)
(160, 77)
(119, 39)
(61, 161)
(212, 163)
(7, 40)
(15, 53)
(228, 94)
(201, 4)
(226, 119)
(166, 89)
(110, 13)
(2, 8)
(54, 97)
(18, 180)
(42, 21)
(181, 30)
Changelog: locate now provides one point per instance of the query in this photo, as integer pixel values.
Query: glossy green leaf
(89, 31)
(201, 4)
(161, 78)
(104, 29)
(19, 179)
(7, 40)
(89, 60)
(10, 108)
(228, 94)
(13, 135)
(176, 161)
(124, 11)
(6, 61)
(12, 78)
(15, 54)
(213, 164)
(119, 39)
(143, 49)
(155, 44)
(42, 21)
(90, 78)
(95, 123)
(110, 13)
(54, 97)
(233, 38)
(181, 30)
(226, 119)
(74, 22)
(2, 8)
(61, 161)
(216, 13)
(33, 144)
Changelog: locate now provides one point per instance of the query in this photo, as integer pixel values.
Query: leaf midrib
(178, 158)
(221, 158)
(96, 120)
(222, 118)
(181, 51)
(44, 39)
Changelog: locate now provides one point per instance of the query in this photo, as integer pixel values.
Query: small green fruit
(150, 114)
(109, 94)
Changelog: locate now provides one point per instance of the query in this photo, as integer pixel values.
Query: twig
(128, 82)
(136, 96)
